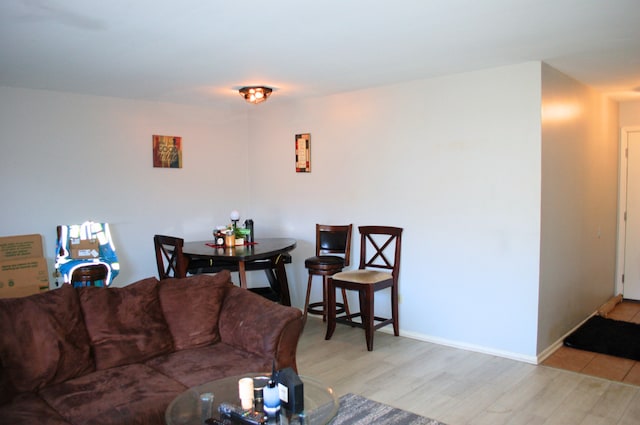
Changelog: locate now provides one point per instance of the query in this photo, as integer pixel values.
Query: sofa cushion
(191, 307)
(29, 409)
(124, 395)
(43, 339)
(126, 324)
(199, 365)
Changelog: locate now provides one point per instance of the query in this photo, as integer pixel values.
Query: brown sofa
(120, 355)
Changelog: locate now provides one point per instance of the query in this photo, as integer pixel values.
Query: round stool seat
(90, 275)
(324, 263)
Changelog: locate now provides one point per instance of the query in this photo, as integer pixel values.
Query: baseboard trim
(464, 346)
(535, 360)
(553, 347)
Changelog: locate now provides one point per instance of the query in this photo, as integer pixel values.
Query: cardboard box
(84, 248)
(23, 277)
(23, 246)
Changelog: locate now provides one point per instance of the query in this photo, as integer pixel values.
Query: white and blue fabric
(66, 265)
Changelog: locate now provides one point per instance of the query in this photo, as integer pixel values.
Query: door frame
(622, 205)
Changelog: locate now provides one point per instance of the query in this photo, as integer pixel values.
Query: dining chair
(333, 253)
(379, 250)
(170, 260)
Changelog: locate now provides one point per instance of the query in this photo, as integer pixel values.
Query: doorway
(628, 262)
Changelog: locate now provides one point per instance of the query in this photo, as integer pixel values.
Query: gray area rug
(357, 410)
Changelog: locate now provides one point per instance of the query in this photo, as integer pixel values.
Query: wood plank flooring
(461, 387)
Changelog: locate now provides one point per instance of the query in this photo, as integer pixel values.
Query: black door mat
(607, 336)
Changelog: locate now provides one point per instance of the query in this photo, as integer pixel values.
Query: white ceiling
(200, 51)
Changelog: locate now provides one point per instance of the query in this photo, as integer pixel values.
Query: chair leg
(394, 310)
(331, 308)
(324, 298)
(306, 302)
(366, 310)
(345, 302)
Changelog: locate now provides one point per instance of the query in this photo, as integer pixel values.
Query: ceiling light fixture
(255, 94)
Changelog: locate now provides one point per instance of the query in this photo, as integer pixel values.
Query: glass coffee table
(320, 402)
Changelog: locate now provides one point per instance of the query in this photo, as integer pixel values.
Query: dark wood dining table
(268, 254)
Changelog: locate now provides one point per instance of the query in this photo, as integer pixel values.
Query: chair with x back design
(379, 250)
(169, 257)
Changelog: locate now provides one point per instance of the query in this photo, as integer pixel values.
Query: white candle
(245, 391)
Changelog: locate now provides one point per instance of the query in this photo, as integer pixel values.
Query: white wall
(68, 158)
(579, 195)
(455, 161)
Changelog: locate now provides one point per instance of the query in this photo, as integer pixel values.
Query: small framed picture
(303, 153)
(167, 151)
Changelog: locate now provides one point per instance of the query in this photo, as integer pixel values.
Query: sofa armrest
(259, 326)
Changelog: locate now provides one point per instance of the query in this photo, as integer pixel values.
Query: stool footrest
(317, 308)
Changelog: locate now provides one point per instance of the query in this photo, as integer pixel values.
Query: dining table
(268, 254)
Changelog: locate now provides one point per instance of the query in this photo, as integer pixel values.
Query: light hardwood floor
(461, 387)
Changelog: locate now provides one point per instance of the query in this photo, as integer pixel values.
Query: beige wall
(630, 114)
(579, 195)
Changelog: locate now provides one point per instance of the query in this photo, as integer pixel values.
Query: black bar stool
(330, 241)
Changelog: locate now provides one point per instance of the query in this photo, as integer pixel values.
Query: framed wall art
(303, 153)
(167, 151)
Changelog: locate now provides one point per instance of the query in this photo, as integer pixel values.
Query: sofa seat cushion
(29, 409)
(199, 365)
(125, 325)
(131, 394)
(43, 340)
(191, 307)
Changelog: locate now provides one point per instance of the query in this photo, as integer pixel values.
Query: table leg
(242, 273)
(281, 274)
